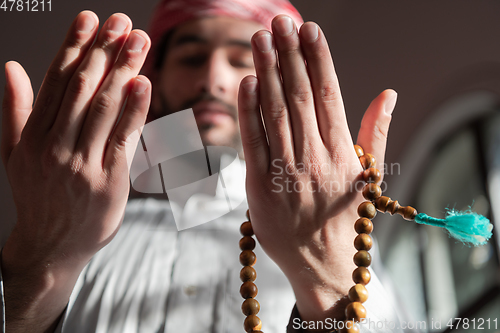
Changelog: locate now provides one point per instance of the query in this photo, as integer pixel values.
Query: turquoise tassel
(466, 226)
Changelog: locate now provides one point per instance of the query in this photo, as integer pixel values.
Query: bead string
(355, 311)
(248, 290)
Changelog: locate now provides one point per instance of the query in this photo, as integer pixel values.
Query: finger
(88, 77)
(123, 142)
(297, 85)
(272, 98)
(327, 97)
(253, 135)
(78, 40)
(108, 101)
(17, 105)
(372, 136)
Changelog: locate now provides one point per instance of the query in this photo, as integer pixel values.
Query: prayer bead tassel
(466, 226)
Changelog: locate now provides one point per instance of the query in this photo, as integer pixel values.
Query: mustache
(207, 97)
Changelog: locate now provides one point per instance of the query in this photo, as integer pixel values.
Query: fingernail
(250, 85)
(264, 42)
(140, 86)
(391, 103)
(310, 32)
(117, 24)
(136, 42)
(85, 24)
(284, 25)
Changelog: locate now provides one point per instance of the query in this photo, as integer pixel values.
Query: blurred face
(204, 63)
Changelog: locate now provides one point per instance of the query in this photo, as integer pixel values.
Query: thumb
(372, 136)
(16, 107)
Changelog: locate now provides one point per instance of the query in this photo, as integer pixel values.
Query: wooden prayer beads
(248, 258)
(367, 210)
(358, 294)
(385, 204)
(248, 290)
(368, 161)
(372, 175)
(363, 242)
(359, 151)
(363, 226)
(361, 275)
(250, 306)
(355, 311)
(372, 191)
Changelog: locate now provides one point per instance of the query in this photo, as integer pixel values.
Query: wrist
(322, 281)
(36, 288)
(45, 263)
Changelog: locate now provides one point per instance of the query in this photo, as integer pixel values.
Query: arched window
(454, 163)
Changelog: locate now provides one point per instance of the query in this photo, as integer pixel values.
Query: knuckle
(102, 104)
(78, 174)
(337, 156)
(51, 159)
(135, 110)
(316, 163)
(300, 94)
(328, 93)
(54, 77)
(73, 170)
(106, 43)
(277, 110)
(267, 66)
(128, 63)
(110, 41)
(311, 160)
(75, 42)
(76, 166)
(80, 83)
(253, 141)
(320, 55)
(379, 133)
(84, 179)
(289, 47)
(122, 140)
(290, 166)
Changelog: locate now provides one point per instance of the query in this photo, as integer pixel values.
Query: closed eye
(193, 61)
(242, 63)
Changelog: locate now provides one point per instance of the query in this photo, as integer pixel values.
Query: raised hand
(66, 162)
(303, 176)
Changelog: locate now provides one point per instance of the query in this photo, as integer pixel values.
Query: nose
(216, 77)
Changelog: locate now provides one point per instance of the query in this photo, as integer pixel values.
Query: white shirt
(153, 278)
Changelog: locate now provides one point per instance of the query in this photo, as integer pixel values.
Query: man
(66, 148)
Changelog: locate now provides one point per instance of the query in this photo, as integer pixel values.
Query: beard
(231, 139)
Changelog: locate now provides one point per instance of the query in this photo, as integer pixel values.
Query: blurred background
(443, 58)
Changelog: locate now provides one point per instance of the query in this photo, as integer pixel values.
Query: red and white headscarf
(170, 13)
